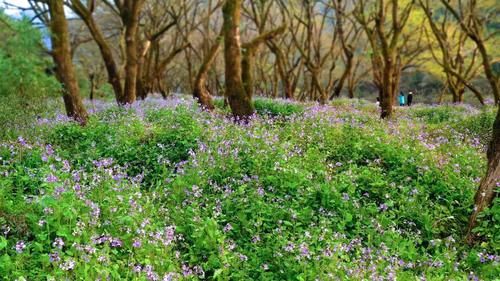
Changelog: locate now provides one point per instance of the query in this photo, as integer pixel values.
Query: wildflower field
(164, 191)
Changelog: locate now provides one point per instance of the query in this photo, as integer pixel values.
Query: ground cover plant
(164, 191)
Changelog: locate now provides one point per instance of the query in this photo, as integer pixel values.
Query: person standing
(401, 99)
(409, 99)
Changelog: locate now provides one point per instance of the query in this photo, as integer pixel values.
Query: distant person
(409, 99)
(401, 99)
(378, 101)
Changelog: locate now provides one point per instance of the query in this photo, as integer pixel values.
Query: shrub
(330, 193)
(25, 87)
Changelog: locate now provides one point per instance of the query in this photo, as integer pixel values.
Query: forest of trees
(300, 50)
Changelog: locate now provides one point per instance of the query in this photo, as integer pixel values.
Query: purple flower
(49, 150)
(383, 207)
(54, 257)
(186, 271)
(304, 250)
(58, 191)
(228, 227)
(289, 247)
(20, 246)
(137, 243)
(260, 191)
(115, 242)
(345, 196)
(21, 141)
(76, 176)
(137, 269)
(256, 239)
(51, 178)
(58, 243)
(243, 257)
(68, 265)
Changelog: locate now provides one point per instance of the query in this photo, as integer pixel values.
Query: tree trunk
(92, 86)
(240, 103)
(488, 188)
(280, 63)
(61, 53)
(248, 68)
(130, 16)
(347, 71)
(249, 54)
(104, 48)
(200, 91)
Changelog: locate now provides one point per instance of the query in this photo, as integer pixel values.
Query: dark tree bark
(240, 103)
(348, 50)
(61, 53)
(200, 92)
(384, 38)
(488, 188)
(85, 13)
(249, 53)
(458, 74)
(130, 11)
(473, 28)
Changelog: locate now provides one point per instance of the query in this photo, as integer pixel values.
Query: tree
(129, 12)
(249, 54)
(61, 53)
(240, 103)
(310, 43)
(200, 91)
(469, 20)
(347, 41)
(86, 14)
(473, 26)
(384, 39)
(451, 41)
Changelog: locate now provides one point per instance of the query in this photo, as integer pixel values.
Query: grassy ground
(162, 191)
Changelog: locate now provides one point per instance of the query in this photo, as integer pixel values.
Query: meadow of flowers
(163, 191)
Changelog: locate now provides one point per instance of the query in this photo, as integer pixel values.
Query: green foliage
(269, 107)
(479, 126)
(24, 86)
(150, 150)
(440, 114)
(331, 193)
(277, 108)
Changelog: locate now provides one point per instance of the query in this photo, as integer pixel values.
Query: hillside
(164, 191)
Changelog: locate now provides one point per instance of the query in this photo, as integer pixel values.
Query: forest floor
(163, 191)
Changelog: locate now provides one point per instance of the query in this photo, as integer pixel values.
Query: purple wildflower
(20, 246)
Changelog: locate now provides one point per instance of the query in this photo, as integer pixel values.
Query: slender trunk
(92, 86)
(240, 103)
(488, 71)
(200, 91)
(280, 63)
(347, 71)
(488, 188)
(61, 53)
(104, 48)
